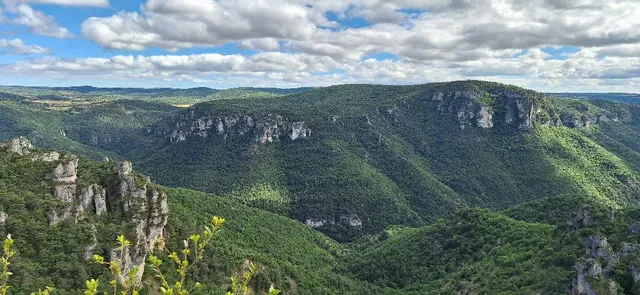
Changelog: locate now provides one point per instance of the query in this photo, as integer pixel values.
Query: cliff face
(602, 264)
(477, 109)
(261, 129)
(142, 209)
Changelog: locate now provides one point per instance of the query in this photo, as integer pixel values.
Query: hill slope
(57, 227)
(353, 159)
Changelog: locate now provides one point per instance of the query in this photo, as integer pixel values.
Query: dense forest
(447, 188)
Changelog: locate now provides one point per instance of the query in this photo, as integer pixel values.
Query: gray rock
(594, 268)
(3, 217)
(85, 199)
(351, 221)
(90, 249)
(628, 249)
(484, 117)
(519, 110)
(125, 168)
(269, 128)
(147, 210)
(634, 228)
(317, 223)
(580, 219)
(100, 201)
(299, 130)
(20, 145)
(580, 284)
(48, 157)
(66, 171)
(66, 194)
(635, 272)
(598, 248)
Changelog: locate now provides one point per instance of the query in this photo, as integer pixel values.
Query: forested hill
(353, 159)
(630, 98)
(350, 160)
(463, 187)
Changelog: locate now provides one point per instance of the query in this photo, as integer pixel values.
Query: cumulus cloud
(37, 21)
(17, 47)
(95, 3)
(315, 42)
(532, 67)
(173, 24)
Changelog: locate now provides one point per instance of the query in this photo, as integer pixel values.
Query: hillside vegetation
(328, 156)
(447, 188)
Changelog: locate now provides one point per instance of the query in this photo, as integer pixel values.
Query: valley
(465, 187)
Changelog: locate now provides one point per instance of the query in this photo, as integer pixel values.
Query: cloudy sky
(547, 45)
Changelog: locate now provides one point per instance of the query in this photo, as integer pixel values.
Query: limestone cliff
(478, 109)
(129, 198)
(262, 129)
(600, 263)
(517, 108)
(19, 145)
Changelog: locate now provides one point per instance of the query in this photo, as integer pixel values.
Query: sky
(546, 45)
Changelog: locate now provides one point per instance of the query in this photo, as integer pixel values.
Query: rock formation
(147, 210)
(262, 129)
(473, 108)
(19, 145)
(601, 262)
(520, 110)
(143, 208)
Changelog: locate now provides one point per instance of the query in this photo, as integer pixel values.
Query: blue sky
(588, 45)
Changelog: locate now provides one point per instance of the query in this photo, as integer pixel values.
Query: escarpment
(125, 197)
(479, 109)
(261, 129)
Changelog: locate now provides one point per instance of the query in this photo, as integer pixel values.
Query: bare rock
(519, 109)
(20, 145)
(634, 228)
(66, 171)
(48, 157)
(3, 217)
(580, 284)
(299, 130)
(125, 168)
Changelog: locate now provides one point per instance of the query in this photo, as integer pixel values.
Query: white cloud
(173, 24)
(37, 21)
(301, 42)
(17, 47)
(264, 44)
(95, 3)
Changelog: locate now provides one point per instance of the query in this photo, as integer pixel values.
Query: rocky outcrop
(130, 200)
(474, 108)
(262, 129)
(468, 111)
(19, 145)
(601, 262)
(142, 207)
(580, 219)
(352, 221)
(64, 176)
(634, 228)
(580, 284)
(598, 248)
(66, 171)
(23, 146)
(598, 252)
(47, 157)
(520, 110)
(581, 121)
(147, 209)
